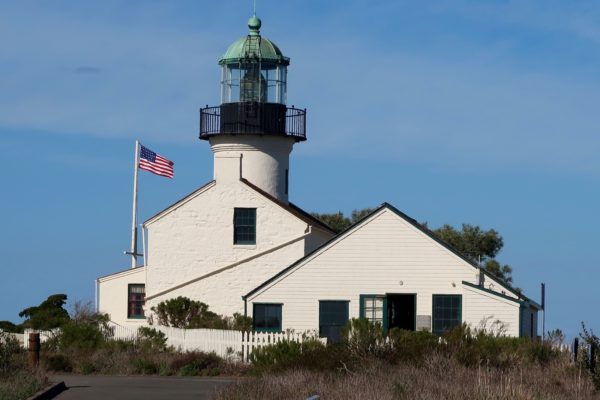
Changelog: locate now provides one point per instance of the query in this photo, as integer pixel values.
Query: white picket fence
(18, 336)
(224, 343)
(44, 336)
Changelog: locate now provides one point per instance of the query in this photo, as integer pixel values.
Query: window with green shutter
(447, 312)
(244, 226)
(266, 317)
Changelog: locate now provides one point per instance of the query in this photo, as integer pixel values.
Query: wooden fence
(224, 343)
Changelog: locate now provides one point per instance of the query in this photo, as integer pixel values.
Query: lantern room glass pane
(253, 82)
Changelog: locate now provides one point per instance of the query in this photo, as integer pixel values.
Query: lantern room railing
(253, 118)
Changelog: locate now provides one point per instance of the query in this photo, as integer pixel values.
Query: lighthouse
(253, 131)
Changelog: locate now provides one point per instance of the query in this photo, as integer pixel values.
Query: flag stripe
(152, 162)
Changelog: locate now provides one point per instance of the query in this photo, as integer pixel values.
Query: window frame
(273, 329)
(130, 315)
(346, 303)
(433, 317)
(362, 312)
(236, 225)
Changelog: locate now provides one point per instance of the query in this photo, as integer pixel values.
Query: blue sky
(453, 111)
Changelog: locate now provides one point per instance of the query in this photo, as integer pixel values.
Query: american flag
(150, 161)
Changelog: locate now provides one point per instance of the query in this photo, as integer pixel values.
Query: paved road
(99, 387)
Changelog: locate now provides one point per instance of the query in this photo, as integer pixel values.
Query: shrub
(9, 350)
(80, 336)
(310, 354)
(58, 363)
(363, 337)
(196, 363)
(182, 312)
(151, 339)
(474, 347)
(240, 323)
(589, 338)
(145, 366)
(412, 346)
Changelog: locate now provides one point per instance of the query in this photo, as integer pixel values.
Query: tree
(338, 222)
(7, 326)
(479, 246)
(48, 315)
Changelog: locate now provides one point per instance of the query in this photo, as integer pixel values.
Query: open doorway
(401, 311)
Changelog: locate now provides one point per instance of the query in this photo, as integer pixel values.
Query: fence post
(575, 349)
(34, 349)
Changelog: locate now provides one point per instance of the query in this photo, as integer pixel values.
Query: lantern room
(253, 91)
(253, 70)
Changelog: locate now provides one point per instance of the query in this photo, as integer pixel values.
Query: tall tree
(478, 245)
(48, 315)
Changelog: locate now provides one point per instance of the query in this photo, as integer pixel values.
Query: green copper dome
(254, 46)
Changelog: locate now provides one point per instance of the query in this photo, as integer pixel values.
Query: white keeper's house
(239, 245)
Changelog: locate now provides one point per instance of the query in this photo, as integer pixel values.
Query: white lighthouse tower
(252, 132)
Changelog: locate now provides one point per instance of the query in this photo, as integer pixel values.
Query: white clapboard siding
(482, 310)
(384, 255)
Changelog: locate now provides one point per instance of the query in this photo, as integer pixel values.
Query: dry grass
(22, 381)
(438, 377)
(114, 360)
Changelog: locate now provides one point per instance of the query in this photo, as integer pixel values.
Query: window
(447, 312)
(267, 317)
(333, 317)
(372, 308)
(136, 298)
(244, 226)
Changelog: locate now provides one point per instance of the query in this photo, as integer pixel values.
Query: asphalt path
(102, 387)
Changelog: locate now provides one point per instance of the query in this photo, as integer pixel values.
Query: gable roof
(179, 202)
(291, 208)
(408, 219)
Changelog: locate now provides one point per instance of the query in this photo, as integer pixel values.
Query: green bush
(80, 336)
(182, 312)
(195, 363)
(471, 348)
(9, 351)
(411, 346)
(151, 339)
(589, 338)
(145, 367)
(364, 338)
(310, 354)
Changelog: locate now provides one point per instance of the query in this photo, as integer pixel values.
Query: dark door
(401, 309)
(333, 317)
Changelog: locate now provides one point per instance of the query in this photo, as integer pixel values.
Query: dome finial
(254, 24)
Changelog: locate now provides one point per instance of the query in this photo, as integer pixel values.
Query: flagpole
(134, 216)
